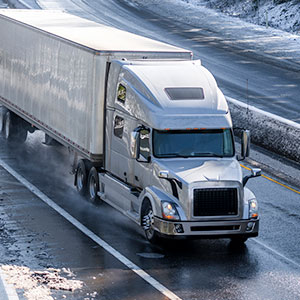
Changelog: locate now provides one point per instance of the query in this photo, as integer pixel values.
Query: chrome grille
(215, 202)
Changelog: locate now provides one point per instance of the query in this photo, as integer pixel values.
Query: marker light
(169, 211)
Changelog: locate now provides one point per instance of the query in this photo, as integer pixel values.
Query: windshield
(193, 143)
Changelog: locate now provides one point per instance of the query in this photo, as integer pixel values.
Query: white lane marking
(7, 289)
(282, 256)
(136, 269)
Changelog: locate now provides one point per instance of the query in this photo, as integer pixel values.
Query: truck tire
(3, 111)
(93, 186)
(81, 178)
(147, 223)
(15, 130)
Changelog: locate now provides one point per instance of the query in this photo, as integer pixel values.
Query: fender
(155, 196)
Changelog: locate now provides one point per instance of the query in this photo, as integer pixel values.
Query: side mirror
(143, 159)
(134, 141)
(254, 173)
(139, 145)
(245, 145)
(163, 174)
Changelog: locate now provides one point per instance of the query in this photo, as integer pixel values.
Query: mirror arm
(246, 178)
(148, 160)
(240, 157)
(174, 182)
(179, 183)
(174, 188)
(255, 173)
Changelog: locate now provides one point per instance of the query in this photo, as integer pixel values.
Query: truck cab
(170, 160)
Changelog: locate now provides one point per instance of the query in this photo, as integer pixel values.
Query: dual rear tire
(87, 184)
(87, 181)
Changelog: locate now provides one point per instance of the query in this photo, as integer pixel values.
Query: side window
(121, 93)
(118, 127)
(144, 144)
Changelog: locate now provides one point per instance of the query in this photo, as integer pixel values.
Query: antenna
(247, 98)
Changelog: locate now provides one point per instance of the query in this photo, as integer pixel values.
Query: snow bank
(37, 285)
(284, 15)
(268, 130)
(276, 46)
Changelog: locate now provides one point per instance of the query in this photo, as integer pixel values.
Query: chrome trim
(217, 185)
(168, 228)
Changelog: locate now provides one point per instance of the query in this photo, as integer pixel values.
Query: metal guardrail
(268, 130)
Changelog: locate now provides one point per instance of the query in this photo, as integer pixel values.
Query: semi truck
(149, 129)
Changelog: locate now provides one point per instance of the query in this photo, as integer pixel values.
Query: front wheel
(147, 223)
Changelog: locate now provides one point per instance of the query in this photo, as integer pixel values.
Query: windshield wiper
(172, 155)
(210, 154)
(193, 154)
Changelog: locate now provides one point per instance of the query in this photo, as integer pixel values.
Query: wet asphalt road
(266, 268)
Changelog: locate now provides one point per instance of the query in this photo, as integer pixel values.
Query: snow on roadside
(37, 285)
(281, 47)
(284, 16)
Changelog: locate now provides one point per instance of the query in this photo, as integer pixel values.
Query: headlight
(253, 209)
(169, 211)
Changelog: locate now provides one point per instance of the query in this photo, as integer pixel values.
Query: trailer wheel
(15, 129)
(3, 111)
(81, 178)
(93, 186)
(147, 223)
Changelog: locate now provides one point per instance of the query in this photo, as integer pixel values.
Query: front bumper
(211, 229)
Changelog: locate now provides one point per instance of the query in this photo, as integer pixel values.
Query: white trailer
(53, 69)
(151, 129)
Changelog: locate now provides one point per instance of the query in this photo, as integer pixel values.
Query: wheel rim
(7, 125)
(148, 221)
(1, 121)
(93, 187)
(79, 179)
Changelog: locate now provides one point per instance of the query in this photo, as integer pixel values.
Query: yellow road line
(275, 181)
